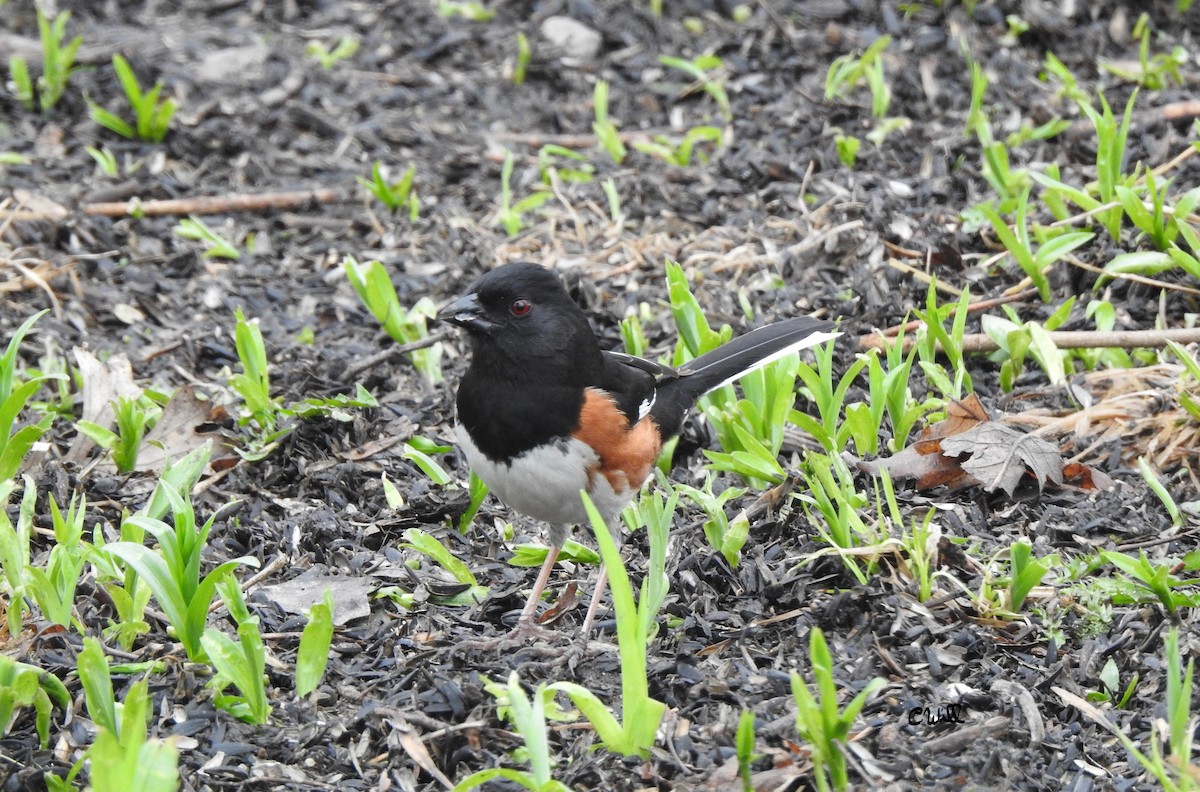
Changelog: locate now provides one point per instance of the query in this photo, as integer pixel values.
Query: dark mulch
(775, 217)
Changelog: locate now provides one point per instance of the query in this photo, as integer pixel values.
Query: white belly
(544, 483)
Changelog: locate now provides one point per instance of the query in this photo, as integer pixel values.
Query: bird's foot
(523, 634)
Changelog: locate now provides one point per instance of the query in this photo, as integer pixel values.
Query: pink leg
(594, 605)
(539, 586)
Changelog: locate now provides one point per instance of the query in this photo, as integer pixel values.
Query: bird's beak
(467, 313)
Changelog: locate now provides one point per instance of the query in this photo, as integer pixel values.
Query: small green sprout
(396, 196)
(706, 71)
(1155, 73)
(152, 118)
(680, 151)
(529, 718)
(53, 588)
(345, 48)
(106, 161)
(14, 396)
(374, 288)
(472, 10)
(313, 654)
(820, 723)
(58, 62)
(134, 418)
(521, 64)
(847, 72)
(604, 127)
(510, 215)
(241, 663)
(173, 573)
(23, 685)
(215, 246)
(847, 149)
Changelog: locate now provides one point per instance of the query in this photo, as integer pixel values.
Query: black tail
(728, 362)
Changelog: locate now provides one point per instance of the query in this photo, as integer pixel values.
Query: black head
(522, 321)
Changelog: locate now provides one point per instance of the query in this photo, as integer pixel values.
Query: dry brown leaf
(960, 417)
(999, 456)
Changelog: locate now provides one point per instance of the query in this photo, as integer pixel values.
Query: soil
(772, 219)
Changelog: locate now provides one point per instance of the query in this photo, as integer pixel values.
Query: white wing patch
(646, 405)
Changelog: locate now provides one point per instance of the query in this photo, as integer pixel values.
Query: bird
(544, 412)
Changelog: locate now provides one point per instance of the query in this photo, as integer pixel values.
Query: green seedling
(820, 723)
(890, 396)
(121, 757)
(215, 246)
(1110, 156)
(241, 663)
(1146, 578)
(345, 48)
(470, 592)
(152, 118)
(920, 549)
(837, 501)
(529, 718)
(106, 161)
(477, 491)
(1187, 389)
(533, 555)
(1110, 679)
(680, 151)
(1177, 773)
(521, 65)
(848, 72)
(313, 654)
(396, 196)
(374, 288)
(1017, 339)
(129, 592)
(1035, 262)
(744, 744)
(829, 399)
(134, 418)
(1156, 486)
(471, 10)
(14, 395)
(847, 149)
(654, 512)
(1153, 73)
(934, 338)
(641, 714)
(58, 62)
(551, 167)
(1160, 222)
(707, 71)
(23, 685)
(14, 551)
(1181, 723)
(724, 537)
(53, 588)
(1027, 572)
(614, 202)
(253, 384)
(605, 129)
(509, 215)
(173, 573)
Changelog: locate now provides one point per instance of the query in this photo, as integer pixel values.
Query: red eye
(520, 307)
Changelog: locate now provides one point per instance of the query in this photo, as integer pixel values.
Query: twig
(924, 277)
(1063, 339)
(212, 204)
(354, 369)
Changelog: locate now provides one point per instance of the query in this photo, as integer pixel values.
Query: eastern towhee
(543, 412)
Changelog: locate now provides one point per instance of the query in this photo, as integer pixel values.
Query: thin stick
(1064, 339)
(212, 204)
(360, 366)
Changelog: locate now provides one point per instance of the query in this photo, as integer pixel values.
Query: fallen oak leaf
(961, 416)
